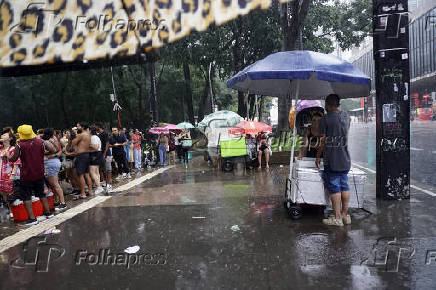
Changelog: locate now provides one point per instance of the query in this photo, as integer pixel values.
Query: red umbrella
(158, 130)
(252, 127)
(236, 131)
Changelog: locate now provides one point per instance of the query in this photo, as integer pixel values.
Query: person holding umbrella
(185, 137)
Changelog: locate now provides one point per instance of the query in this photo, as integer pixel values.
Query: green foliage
(346, 22)
(286, 144)
(61, 99)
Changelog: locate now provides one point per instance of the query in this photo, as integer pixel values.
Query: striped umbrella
(158, 130)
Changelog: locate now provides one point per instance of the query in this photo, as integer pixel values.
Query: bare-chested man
(81, 162)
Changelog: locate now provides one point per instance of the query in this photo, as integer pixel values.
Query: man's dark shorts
(81, 163)
(95, 158)
(29, 188)
(336, 182)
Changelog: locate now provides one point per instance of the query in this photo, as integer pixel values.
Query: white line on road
(366, 168)
(416, 149)
(423, 190)
(26, 234)
(412, 186)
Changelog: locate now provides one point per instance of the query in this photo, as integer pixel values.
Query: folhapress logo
(39, 254)
(390, 253)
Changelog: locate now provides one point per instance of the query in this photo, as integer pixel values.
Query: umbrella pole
(294, 133)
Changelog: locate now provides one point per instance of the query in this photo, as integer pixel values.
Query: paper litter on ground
(235, 228)
(132, 250)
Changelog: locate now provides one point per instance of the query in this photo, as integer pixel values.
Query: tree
(317, 24)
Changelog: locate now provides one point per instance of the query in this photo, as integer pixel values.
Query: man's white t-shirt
(95, 140)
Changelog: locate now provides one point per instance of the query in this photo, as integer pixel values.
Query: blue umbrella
(304, 74)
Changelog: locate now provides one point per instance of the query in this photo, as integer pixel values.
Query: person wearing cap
(30, 150)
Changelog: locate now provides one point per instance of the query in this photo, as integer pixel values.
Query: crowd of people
(31, 163)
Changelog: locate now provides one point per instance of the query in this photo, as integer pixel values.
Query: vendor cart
(228, 144)
(306, 186)
(305, 75)
(233, 151)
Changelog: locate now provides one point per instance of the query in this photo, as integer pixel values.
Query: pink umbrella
(159, 130)
(174, 128)
(171, 127)
(305, 104)
(252, 127)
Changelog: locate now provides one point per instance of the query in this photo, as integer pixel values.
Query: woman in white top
(96, 160)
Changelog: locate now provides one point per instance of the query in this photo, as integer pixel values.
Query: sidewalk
(201, 228)
(9, 227)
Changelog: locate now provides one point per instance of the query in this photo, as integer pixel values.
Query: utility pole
(153, 94)
(391, 56)
(212, 105)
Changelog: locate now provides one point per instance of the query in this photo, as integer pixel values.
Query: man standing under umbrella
(333, 129)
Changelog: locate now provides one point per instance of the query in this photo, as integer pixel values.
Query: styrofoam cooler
(19, 211)
(50, 199)
(307, 185)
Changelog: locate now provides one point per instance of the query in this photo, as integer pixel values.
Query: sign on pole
(391, 56)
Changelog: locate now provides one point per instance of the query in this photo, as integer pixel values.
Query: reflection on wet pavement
(183, 221)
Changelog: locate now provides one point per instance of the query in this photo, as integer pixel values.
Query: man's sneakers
(31, 222)
(61, 207)
(128, 176)
(48, 215)
(99, 190)
(346, 219)
(332, 221)
(109, 188)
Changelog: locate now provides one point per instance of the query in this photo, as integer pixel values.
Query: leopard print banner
(38, 32)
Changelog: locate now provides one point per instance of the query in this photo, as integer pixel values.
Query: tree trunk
(242, 105)
(153, 95)
(144, 100)
(140, 105)
(62, 101)
(252, 102)
(188, 93)
(260, 109)
(204, 97)
(238, 63)
(292, 16)
(123, 99)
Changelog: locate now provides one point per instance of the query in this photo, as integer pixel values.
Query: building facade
(422, 57)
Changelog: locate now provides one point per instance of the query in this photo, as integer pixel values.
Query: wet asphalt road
(422, 151)
(182, 222)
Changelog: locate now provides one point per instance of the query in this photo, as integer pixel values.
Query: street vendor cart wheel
(295, 212)
(227, 165)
